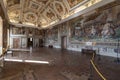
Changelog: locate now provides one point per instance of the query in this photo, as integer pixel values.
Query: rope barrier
(99, 73)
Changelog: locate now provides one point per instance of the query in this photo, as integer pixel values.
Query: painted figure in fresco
(108, 30)
(77, 32)
(93, 31)
(99, 29)
(86, 32)
(117, 30)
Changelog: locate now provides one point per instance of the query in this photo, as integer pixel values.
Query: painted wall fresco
(101, 29)
(27, 31)
(52, 35)
(23, 42)
(18, 31)
(38, 32)
(19, 36)
(63, 29)
(16, 43)
(104, 27)
(55, 34)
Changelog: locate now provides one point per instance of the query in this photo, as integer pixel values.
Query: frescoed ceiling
(72, 3)
(42, 13)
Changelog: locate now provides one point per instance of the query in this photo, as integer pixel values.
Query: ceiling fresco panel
(42, 20)
(73, 3)
(14, 14)
(12, 2)
(49, 14)
(35, 6)
(30, 17)
(59, 8)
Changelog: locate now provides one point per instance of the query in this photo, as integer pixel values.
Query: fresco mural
(52, 35)
(63, 29)
(103, 27)
(20, 35)
(76, 30)
(23, 42)
(19, 31)
(16, 30)
(16, 43)
(55, 34)
(26, 31)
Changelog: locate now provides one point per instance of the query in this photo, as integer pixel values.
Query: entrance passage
(30, 42)
(63, 42)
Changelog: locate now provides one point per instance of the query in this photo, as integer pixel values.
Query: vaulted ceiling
(42, 13)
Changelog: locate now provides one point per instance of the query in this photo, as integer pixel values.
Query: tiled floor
(63, 65)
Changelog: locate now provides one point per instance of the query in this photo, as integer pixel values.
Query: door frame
(29, 43)
(63, 42)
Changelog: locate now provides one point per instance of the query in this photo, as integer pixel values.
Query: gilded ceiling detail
(30, 17)
(73, 3)
(39, 12)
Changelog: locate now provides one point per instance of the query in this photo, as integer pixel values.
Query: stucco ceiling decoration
(30, 17)
(73, 3)
(41, 13)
